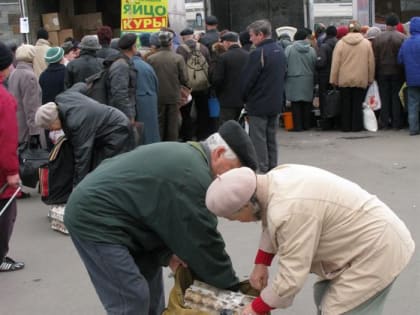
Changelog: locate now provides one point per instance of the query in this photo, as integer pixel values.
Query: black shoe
(9, 264)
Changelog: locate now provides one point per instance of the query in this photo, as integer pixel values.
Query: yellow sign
(143, 15)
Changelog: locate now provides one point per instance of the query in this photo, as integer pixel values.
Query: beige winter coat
(39, 63)
(320, 223)
(353, 62)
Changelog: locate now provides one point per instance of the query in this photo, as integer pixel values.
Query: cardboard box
(51, 22)
(63, 34)
(53, 38)
(90, 21)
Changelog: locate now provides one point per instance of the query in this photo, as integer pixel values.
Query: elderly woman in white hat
(316, 222)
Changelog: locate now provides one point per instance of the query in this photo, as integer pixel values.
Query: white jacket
(318, 222)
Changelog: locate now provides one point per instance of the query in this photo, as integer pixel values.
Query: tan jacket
(39, 63)
(320, 223)
(353, 62)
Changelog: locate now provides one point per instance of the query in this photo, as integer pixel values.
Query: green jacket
(152, 200)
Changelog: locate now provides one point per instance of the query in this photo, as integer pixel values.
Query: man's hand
(248, 310)
(13, 180)
(175, 262)
(259, 277)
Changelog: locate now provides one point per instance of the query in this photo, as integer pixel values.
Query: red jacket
(9, 163)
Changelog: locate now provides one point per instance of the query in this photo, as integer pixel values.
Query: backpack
(197, 68)
(56, 176)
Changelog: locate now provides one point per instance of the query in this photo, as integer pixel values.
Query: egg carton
(204, 297)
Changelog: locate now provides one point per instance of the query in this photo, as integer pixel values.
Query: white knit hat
(231, 191)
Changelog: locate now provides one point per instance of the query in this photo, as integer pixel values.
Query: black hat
(238, 140)
(230, 37)
(331, 31)
(187, 31)
(392, 20)
(211, 20)
(6, 56)
(127, 40)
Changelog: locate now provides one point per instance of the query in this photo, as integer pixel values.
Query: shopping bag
(30, 159)
(369, 119)
(243, 120)
(214, 107)
(373, 98)
(332, 107)
(183, 279)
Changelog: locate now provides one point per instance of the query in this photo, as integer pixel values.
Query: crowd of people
(146, 207)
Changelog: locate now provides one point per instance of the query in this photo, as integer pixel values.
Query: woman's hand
(259, 277)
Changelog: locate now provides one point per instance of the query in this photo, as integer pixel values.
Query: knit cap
(25, 53)
(54, 55)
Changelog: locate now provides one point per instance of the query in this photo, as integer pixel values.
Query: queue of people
(134, 210)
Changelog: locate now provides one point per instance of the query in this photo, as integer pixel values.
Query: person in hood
(409, 56)
(96, 131)
(315, 222)
(299, 87)
(352, 70)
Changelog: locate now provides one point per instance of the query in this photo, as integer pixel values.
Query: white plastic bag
(373, 98)
(369, 119)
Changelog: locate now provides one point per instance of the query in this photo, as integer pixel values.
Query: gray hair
(260, 26)
(215, 140)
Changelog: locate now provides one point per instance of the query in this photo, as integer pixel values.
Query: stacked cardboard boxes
(57, 27)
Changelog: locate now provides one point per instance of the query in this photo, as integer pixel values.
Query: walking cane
(11, 198)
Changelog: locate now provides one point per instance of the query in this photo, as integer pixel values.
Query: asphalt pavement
(386, 163)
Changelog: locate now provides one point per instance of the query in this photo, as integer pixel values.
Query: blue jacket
(409, 54)
(262, 82)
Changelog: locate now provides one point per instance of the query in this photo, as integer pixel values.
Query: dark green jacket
(152, 200)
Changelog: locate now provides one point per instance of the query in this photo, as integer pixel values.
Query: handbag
(56, 176)
(30, 159)
(332, 106)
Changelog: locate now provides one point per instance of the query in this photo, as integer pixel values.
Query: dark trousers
(229, 113)
(186, 131)
(262, 131)
(352, 99)
(7, 222)
(205, 125)
(168, 122)
(301, 112)
(118, 281)
(391, 109)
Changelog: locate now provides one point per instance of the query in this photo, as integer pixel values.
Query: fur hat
(127, 41)
(46, 115)
(90, 42)
(373, 32)
(25, 53)
(165, 38)
(239, 141)
(230, 191)
(54, 55)
(230, 37)
(6, 56)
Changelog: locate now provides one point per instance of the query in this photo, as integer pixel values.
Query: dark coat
(52, 82)
(324, 56)
(122, 83)
(106, 52)
(385, 48)
(83, 67)
(225, 76)
(262, 79)
(96, 131)
(209, 38)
